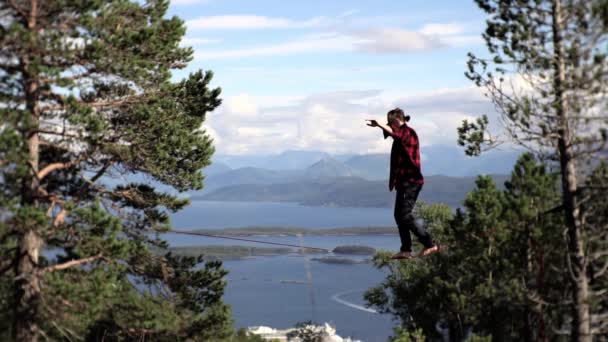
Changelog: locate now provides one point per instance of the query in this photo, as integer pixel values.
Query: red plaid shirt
(405, 157)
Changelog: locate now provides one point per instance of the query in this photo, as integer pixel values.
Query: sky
(304, 75)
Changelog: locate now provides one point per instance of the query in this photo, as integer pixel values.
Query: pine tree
(595, 215)
(536, 238)
(91, 121)
(494, 278)
(547, 75)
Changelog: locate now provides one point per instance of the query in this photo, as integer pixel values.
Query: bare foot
(429, 250)
(402, 255)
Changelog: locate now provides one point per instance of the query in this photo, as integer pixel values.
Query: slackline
(242, 239)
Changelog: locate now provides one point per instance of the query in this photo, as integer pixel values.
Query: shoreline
(339, 255)
(295, 231)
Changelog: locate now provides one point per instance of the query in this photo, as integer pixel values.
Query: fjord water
(280, 291)
(213, 215)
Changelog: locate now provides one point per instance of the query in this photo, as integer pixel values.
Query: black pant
(407, 194)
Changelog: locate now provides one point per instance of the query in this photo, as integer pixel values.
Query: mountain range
(346, 192)
(436, 160)
(318, 178)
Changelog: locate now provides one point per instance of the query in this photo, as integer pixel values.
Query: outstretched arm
(386, 128)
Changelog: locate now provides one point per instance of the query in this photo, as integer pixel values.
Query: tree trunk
(27, 288)
(581, 325)
(27, 283)
(528, 331)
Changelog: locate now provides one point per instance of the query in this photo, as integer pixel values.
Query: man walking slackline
(405, 177)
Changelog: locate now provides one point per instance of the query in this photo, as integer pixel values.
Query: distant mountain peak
(328, 167)
(327, 159)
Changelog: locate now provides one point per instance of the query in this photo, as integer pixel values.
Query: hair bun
(407, 118)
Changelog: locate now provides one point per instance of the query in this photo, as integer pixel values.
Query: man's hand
(372, 123)
(386, 128)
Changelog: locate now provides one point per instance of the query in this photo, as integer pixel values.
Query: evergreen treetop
(92, 125)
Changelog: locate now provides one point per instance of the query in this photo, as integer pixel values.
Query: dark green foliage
(361, 250)
(403, 335)
(498, 275)
(547, 75)
(596, 208)
(96, 141)
(6, 302)
(472, 135)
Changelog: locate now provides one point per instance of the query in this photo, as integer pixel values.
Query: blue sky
(305, 74)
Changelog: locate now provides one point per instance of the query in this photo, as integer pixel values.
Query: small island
(298, 282)
(340, 261)
(355, 250)
(229, 252)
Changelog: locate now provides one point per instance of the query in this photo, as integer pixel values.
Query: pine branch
(63, 330)
(44, 334)
(562, 331)
(101, 172)
(602, 270)
(60, 218)
(598, 255)
(142, 332)
(62, 134)
(57, 166)
(599, 323)
(72, 78)
(98, 104)
(536, 298)
(71, 263)
(570, 268)
(8, 264)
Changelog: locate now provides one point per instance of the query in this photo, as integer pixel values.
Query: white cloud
(442, 29)
(301, 74)
(206, 129)
(341, 39)
(242, 104)
(335, 122)
(394, 41)
(327, 44)
(453, 34)
(371, 41)
(240, 22)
